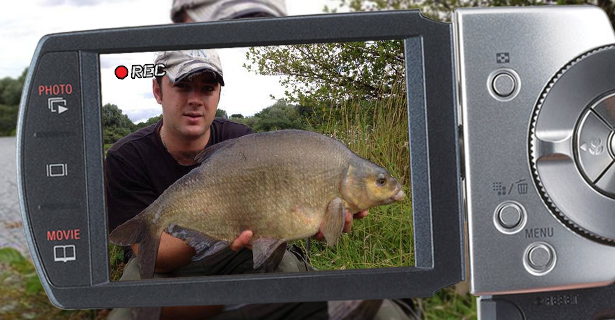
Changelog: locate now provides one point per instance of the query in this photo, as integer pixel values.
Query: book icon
(64, 253)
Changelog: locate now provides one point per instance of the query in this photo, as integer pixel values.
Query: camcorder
(511, 115)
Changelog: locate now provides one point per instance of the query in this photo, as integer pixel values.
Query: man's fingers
(348, 221)
(361, 214)
(242, 241)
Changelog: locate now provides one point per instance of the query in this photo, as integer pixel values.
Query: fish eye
(381, 181)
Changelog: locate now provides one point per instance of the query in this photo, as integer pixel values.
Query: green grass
(446, 304)
(23, 296)
(378, 131)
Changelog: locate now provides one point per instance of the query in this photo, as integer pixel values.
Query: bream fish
(283, 185)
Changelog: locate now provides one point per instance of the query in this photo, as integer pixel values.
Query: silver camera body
(536, 89)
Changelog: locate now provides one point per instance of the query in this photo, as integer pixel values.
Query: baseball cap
(213, 10)
(180, 64)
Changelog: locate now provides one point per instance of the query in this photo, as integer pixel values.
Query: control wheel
(572, 144)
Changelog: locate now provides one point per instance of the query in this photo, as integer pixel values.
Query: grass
(378, 131)
(23, 296)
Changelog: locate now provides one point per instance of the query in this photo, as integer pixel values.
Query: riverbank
(11, 229)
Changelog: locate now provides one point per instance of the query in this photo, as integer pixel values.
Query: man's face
(188, 106)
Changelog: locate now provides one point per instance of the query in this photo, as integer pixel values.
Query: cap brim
(176, 73)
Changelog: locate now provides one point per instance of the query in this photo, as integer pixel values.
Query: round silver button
(539, 258)
(509, 217)
(504, 84)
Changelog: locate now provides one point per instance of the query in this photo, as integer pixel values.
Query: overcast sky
(24, 22)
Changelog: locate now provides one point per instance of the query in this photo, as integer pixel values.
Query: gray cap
(180, 64)
(213, 10)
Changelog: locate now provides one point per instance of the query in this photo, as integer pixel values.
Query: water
(11, 229)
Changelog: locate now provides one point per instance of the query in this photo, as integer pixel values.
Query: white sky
(24, 22)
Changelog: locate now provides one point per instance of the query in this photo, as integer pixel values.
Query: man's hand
(348, 219)
(242, 241)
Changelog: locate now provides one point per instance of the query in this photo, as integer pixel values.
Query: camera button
(593, 146)
(504, 84)
(607, 181)
(509, 217)
(539, 258)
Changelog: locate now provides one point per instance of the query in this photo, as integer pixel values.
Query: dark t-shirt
(138, 168)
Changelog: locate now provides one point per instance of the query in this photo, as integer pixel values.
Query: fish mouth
(399, 196)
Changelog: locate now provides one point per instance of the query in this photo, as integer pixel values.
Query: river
(11, 229)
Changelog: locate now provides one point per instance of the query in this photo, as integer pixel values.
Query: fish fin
(263, 248)
(353, 309)
(333, 223)
(272, 263)
(203, 244)
(136, 230)
(206, 153)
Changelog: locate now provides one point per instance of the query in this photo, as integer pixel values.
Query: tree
(149, 122)
(221, 114)
(318, 75)
(280, 115)
(443, 10)
(8, 120)
(10, 97)
(115, 124)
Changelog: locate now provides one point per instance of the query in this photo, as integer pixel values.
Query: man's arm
(174, 253)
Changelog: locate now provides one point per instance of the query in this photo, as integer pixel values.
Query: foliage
(325, 74)
(115, 124)
(149, 122)
(280, 115)
(221, 113)
(443, 10)
(8, 119)
(447, 304)
(10, 96)
(23, 296)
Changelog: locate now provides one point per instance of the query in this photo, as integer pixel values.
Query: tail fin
(137, 230)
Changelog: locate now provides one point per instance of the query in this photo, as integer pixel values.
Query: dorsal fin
(209, 151)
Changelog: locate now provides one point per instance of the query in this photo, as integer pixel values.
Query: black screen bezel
(434, 153)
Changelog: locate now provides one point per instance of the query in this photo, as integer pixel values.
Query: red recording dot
(121, 72)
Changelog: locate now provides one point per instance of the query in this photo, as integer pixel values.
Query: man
(214, 10)
(140, 166)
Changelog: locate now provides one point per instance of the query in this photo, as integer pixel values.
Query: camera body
(511, 115)
(537, 221)
(528, 146)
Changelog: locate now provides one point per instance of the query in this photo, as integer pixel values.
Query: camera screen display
(351, 92)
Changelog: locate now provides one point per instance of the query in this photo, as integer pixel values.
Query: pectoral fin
(333, 223)
(203, 244)
(264, 248)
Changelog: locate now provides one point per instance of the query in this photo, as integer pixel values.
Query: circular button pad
(594, 145)
(571, 145)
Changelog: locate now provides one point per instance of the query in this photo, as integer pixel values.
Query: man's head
(213, 10)
(189, 92)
